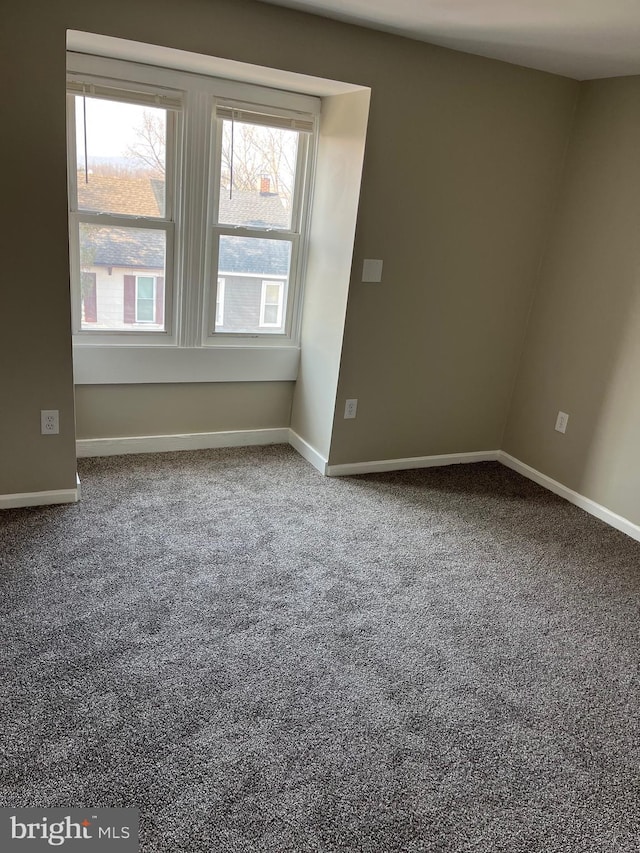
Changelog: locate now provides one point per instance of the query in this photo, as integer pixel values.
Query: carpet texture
(262, 659)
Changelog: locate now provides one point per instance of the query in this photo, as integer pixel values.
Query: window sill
(101, 365)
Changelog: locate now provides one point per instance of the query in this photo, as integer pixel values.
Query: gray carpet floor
(262, 659)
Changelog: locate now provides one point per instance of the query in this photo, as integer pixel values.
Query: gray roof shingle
(145, 248)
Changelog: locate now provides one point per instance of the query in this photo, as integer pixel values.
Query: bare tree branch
(257, 152)
(151, 147)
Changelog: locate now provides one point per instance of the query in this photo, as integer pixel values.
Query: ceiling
(584, 39)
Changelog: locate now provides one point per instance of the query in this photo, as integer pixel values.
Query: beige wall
(463, 156)
(456, 200)
(109, 411)
(582, 352)
(35, 342)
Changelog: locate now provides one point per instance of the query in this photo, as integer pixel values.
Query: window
(258, 160)
(188, 208)
(122, 224)
(145, 299)
(271, 304)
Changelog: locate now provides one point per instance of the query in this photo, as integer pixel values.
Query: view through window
(121, 175)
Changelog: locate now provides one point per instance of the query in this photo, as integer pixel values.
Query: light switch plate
(372, 270)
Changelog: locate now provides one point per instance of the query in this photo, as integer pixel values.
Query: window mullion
(195, 186)
(210, 295)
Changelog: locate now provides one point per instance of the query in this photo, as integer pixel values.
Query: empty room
(319, 480)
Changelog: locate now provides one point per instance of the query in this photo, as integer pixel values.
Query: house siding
(115, 298)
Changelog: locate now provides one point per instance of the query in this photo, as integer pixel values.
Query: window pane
(244, 262)
(121, 158)
(145, 311)
(257, 175)
(272, 293)
(145, 287)
(271, 314)
(119, 267)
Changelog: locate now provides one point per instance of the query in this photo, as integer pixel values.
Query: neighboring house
(123, 268)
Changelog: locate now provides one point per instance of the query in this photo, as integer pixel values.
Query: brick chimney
(265, 185)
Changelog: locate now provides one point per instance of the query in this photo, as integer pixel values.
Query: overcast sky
(111, 127)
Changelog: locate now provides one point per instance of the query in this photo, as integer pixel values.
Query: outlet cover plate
(350, 408)
(49, 422)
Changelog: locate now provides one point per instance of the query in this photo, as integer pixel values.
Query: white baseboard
(410, 462)
(593, 508)
(242, 438)
(307, 452)
(188, 441)
(26, 499)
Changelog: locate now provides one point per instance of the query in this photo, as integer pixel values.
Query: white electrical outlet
(561, 422)
(49, 422)
(350, 408)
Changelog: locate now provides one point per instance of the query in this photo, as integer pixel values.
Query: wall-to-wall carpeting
(262, 659)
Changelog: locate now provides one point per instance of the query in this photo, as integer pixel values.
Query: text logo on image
(113, 830)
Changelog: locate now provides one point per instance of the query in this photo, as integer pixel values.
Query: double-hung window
(189, 200)
(122, 178)
(259, 168)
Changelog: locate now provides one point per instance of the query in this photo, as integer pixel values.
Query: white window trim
(263, 302)
(139, 365)
(201, 358)
(219, 319)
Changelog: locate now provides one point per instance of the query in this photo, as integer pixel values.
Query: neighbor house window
(145, 299)
(271, 304)
(188, 207)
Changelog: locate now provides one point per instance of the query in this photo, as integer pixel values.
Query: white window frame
(154, 280)
(199, 353)
(219, 318)
(263, 302)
